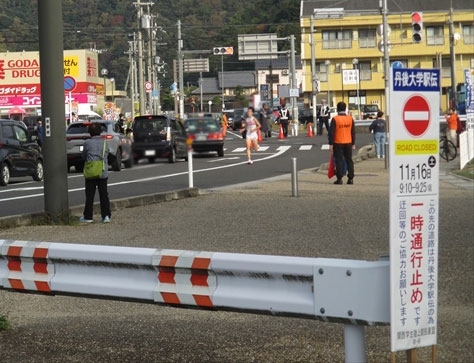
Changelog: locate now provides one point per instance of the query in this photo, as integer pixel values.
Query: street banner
(414, 204)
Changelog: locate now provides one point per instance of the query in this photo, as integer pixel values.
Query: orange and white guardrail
(345, 291)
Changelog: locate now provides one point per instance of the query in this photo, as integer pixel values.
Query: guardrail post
(294, 178)
(354, 343)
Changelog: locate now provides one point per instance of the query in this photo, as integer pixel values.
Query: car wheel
(220, 151)
(4, 175)
(117, 164)
(151, 160)
(79, 167)
(39, 171)
(172, 156)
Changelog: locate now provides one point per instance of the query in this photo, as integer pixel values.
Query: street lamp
(355, 62)
(104, 72)
(112, 81)
(328, 63)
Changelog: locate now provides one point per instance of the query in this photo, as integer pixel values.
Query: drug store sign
(414, 203)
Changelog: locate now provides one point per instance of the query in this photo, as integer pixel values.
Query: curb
(142, 200)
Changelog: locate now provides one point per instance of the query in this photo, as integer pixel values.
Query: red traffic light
(417, 26)
(416, 17)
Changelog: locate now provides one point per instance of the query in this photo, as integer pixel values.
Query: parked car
(158, 136)
(120, 146)
(370, 111)
(206, 134)
(20, 155)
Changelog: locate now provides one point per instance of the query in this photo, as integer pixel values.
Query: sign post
(414, 204)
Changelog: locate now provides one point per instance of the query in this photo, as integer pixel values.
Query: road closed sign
(414, 201)
(416, 115)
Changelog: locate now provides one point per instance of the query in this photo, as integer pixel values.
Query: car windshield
(201, 124)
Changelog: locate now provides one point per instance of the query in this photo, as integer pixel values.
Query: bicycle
(447, 149)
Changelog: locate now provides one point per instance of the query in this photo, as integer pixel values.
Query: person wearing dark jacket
(341, 142)
(93, 150)
(377, 127)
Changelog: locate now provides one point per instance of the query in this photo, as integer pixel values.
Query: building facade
(20, 82)
(350, 43)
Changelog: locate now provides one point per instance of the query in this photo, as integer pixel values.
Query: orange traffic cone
(310, 131)
(259, 133)
(281, 135)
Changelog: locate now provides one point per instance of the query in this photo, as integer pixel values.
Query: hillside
(108, 25)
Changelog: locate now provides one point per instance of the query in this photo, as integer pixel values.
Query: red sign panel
(416, 115)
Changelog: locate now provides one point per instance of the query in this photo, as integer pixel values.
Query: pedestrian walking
(378, 128)
(323, 117)
(251, 126)
(264, 115)
(284, 118)
(39, 131)
(341, 143)
(96, 148)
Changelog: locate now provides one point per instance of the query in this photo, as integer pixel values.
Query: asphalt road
(274, 159)
(325, 220)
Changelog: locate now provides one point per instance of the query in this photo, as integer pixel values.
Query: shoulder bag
(94, 169)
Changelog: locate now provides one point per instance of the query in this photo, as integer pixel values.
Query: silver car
(120, 146)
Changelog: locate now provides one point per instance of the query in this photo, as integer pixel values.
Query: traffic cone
(259, 133)
(310, 131)
(281, 135)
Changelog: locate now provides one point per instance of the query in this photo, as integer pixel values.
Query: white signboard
(414, 202)
(349, 76)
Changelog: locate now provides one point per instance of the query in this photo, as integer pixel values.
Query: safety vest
(342, 129)
(284, 114)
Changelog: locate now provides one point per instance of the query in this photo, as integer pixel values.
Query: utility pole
(313, 72)
(386, 59)
(293, 77)
(141, 85)
(180, 71)
(452, 52)
(50, 25)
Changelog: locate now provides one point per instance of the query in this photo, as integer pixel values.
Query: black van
(20, 155)
(158, 136)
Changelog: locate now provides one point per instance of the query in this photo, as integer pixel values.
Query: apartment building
(346, 40)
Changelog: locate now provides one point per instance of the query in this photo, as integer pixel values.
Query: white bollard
(190, 168)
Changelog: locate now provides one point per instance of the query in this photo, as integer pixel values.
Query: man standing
(342, 142)
(284, 117)
(323, 117)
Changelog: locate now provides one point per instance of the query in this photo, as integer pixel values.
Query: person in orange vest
(341, 142)
(452, 120)
(224, 124)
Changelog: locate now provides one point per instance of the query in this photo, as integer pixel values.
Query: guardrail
(352, 292)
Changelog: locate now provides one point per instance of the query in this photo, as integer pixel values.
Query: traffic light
(417, 27)
(223, 50)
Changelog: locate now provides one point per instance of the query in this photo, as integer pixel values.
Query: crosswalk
(264, 148)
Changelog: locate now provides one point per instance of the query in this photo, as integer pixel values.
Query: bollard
(294, 178)
(190, 168)
(386, 155)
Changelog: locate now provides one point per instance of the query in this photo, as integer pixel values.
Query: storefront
(20, 82)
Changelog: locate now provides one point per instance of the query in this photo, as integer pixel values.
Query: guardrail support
(354, 343)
